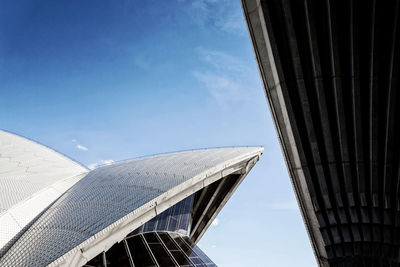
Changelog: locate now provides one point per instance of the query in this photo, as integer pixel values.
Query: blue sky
(103, 81)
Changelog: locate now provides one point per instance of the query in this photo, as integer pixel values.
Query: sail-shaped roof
(32, 176)
(112, 201)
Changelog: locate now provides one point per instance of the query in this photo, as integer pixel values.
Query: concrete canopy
(330, 70)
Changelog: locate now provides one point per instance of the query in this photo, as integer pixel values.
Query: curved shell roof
(31, 177)
(111, 201)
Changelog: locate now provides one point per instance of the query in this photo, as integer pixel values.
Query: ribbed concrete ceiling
(330, 70)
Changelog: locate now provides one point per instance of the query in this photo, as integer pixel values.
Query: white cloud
(225, 15)
(81, 147)
(107, 161)
(92, 166)
(215, 222)
(223, 61)
(228, 79)
(222, 88)
(232, 23)
(102, 162)
(73, 140)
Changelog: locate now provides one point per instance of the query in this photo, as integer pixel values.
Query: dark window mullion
(166, 249)
(176, 245)
(128, 252)
(148, 249)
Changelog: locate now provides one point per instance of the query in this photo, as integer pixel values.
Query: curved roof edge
(241, 169)
(45, 146)
(104, 239)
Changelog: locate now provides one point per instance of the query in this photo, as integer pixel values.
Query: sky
(102, 81)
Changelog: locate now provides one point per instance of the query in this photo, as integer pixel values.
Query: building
(331, 76)
(148, 211)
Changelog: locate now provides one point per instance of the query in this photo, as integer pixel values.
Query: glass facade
(162, 241)
(175, 219)
(153, 249)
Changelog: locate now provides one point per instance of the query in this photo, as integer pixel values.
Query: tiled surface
(105, 195)
(32, 176)
(27, 167)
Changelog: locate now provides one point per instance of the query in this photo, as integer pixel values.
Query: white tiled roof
(32, 176)
(115, 195)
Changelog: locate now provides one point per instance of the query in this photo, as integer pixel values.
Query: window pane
(151, 238)
(117, 256)
(150, 225)
(180, 258)
(162, 257)
(168, 241)
(196, 260)
(139, 252)
(163, 220)
(202, 255)
(173, 221)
